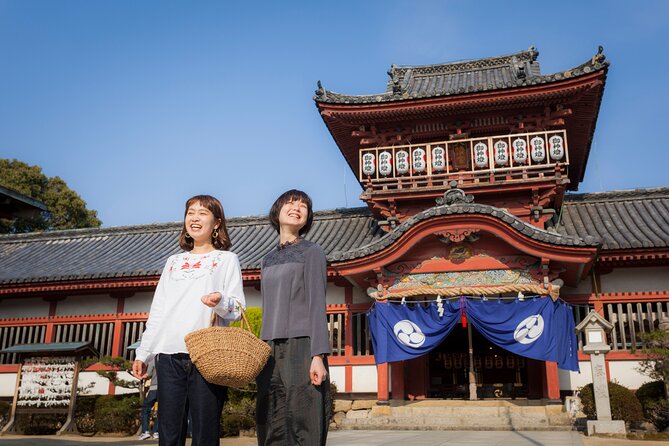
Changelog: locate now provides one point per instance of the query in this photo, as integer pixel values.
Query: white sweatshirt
(177, 310)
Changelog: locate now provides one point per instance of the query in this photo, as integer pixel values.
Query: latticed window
(631, 319)
(100, 335)
(362, 341)
(11, 336)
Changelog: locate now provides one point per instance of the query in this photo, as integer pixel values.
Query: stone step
(456, 415)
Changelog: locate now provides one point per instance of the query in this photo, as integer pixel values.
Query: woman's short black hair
(287, 197)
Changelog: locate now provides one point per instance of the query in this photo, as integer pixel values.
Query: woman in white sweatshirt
(205, 277)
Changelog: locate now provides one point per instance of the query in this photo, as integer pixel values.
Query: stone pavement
(369, 438)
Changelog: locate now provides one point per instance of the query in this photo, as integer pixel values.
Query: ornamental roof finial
(599, 57)
(394, 77)
(321, 91)
(454, 196)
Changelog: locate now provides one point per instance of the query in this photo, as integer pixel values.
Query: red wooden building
(466, 168)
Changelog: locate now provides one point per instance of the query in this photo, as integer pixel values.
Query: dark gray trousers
(289, 409)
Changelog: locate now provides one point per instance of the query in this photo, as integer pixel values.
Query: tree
(656, 364)
(66, 208)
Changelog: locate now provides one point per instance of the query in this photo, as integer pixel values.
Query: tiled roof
(495, 73)
(630, 219)
(620, 219)
(136, 251)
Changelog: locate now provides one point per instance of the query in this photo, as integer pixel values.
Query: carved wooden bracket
(457, 235)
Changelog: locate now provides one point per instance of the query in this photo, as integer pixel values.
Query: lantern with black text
(501, 153)
(519, 151)
(419, 162)
(481, 155)
(556, 147)
(368, 164)
(537, 149)
(438, 159)
(401, 162)
(385, 163)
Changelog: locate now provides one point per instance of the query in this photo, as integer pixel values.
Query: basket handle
(214, 319)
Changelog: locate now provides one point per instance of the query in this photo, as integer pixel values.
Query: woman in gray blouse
(293, 403)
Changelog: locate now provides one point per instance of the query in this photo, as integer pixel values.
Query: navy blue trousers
(181, 389)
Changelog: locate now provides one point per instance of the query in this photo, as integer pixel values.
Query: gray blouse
(293, 295)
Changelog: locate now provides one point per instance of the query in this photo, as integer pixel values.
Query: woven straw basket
(227, 356)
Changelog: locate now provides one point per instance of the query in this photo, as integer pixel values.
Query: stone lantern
(596, 328)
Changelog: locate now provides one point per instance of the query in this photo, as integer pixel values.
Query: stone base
(458, 415)
(612, 428)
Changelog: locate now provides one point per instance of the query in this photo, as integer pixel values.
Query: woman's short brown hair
(286, 197)
(221, 242)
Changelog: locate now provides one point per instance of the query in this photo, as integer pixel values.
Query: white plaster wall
(7, 384)
(335, 294)
(365, 379)
(252, 297)
(572, 380)
(128, 377)
(338, 377)
(21, 308)
(360, 296)
(98, 384)
(625, 373)
(636, 279)
(87, 304)
(584, 287)
(138, 303)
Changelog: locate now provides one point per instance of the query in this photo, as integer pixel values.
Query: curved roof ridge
(530, 53)
(618, 195)
(519, 225)
(511, 71)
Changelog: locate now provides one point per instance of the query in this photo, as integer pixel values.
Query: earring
(187, 236)
(214, 234)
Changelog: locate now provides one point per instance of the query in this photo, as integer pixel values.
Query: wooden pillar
(382, 383)
(117, 340)
(397, 380)
(117, 347)
(50, 334)
(552, 387)
(348, 339)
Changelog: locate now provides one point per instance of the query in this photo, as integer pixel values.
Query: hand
(139, 369)
(211, 299)
(317, 372)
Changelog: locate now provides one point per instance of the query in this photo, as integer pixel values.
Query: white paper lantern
(501, 153)
(385, 163)
(556, 147)
(519, 151)
(401, 162)
(481, 155)
(368, 164)
(418, 159)
(438, 159)
(537, 149)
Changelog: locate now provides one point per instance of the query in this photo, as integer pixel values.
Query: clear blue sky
(140, 104)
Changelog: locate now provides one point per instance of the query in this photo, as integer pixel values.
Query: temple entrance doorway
(499, 374)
